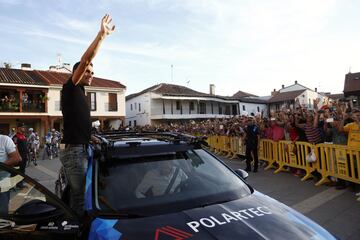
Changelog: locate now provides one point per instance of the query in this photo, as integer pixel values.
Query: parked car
(152, 186)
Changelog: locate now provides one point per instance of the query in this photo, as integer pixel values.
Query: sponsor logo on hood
(212, 221)
(228, 217)
(174, 233)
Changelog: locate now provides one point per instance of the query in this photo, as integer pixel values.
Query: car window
(166, 183)
(24, 202)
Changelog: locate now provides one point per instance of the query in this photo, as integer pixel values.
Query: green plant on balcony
(44, 98)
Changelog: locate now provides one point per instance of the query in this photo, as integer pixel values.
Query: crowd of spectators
(334, 123)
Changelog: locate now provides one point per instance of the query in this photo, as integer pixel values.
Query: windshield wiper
(216, 202)
(129, 215)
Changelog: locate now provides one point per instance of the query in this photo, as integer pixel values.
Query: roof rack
(177, 142)
(112, 136)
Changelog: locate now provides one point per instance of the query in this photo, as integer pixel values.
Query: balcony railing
(23, 100)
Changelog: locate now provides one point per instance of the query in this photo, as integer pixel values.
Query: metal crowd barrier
(296, 158)
(337, 161)
(268, 152)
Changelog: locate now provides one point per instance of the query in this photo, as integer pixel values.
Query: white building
(170, 103)
(250, 104)
(294, 96)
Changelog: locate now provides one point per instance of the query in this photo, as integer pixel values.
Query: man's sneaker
(255, 170)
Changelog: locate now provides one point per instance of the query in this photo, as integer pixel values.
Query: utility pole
(172, 67)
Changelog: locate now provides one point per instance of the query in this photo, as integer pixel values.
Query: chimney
(26, 66)
(315, 89)
(274, 92)
(212, 89)
(295, 81)
(283, 86)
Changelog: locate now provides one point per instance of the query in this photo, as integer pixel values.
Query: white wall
(252, 108)
(102, 101)
(142, 117)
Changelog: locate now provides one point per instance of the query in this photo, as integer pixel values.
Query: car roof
(121, 145)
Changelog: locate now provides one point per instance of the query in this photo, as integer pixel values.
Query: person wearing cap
(77, 120)
(10, 156)
(21, 142)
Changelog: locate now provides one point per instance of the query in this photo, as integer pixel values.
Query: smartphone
(330, 120)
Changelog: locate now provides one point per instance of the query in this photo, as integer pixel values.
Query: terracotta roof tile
(175, 90)
(61, 78)
(241, 94)
(285, 96)
(18, 76)
(45, 78)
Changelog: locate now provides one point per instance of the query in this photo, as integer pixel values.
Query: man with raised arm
(77, 121)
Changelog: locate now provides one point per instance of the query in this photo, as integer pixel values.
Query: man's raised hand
(106, 28)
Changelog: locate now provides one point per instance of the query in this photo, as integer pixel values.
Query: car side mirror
(242, 173)
(36, 210)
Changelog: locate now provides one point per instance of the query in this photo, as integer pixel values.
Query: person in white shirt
(11, 157)
(162, 180)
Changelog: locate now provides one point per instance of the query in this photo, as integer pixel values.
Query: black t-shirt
(252, 132)
(76, 114)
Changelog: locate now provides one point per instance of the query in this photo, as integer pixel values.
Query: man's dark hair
(76, 65)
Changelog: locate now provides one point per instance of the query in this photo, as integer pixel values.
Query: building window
(130, 107)
(139, 107)
(91, 97)
(135, 105)
(220, 109)
(191, 106)
(129, 123)
(258, 109)
(178, 105)
(227, 110)
(234, 109)
(243, 107)
(202, 106)
(134, 123)
(113, 102)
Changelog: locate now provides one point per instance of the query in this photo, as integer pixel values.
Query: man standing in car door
(77, 121)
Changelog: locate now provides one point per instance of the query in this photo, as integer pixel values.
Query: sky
(237, 45)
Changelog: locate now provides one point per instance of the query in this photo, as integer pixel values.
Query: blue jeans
(74, 160)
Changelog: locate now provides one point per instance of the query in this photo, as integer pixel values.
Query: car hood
(256, 216)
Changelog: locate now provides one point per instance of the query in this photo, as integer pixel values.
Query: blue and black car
(156, 186)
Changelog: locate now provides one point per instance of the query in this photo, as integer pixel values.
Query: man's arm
(14, 158)
(93, 48)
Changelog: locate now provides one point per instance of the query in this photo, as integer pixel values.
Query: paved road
(336, 210)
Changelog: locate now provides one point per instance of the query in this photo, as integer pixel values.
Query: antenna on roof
(59, 60)
(172, 66)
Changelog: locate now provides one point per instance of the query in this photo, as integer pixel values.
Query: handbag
(311, 157)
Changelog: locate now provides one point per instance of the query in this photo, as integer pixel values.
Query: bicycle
(32, 157)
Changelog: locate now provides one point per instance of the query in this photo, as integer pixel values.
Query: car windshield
(164, 183)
